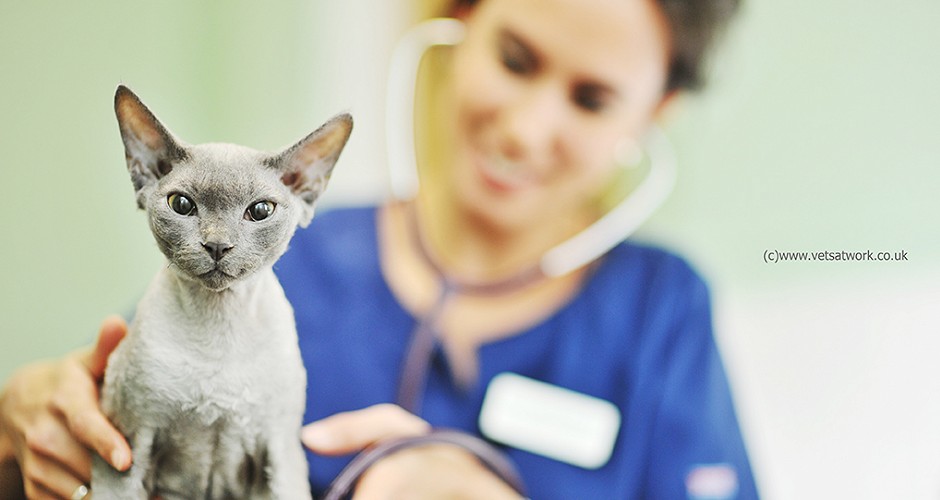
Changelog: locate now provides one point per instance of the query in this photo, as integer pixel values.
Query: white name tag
(549, 420)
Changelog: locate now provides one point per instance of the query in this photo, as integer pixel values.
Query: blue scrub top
(638, 334)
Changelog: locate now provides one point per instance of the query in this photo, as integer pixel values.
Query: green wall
(818, 133)
(74, 247)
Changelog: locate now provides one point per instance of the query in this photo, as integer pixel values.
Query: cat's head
(220, 212)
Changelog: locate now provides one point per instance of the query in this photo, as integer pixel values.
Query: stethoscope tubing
(578, 251)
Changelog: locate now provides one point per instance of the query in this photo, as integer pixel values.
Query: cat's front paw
(107, 493)
(109, 484)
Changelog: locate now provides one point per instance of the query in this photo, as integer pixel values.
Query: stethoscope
(575, 253)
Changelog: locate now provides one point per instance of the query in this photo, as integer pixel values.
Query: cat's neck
(198, 300)
(217, 323)
(250, 317)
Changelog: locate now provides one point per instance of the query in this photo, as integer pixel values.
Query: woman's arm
(432, 471)
(698, 447)
(11, 479)
(50, 418)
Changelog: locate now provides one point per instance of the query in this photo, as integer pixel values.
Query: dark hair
(694, 25)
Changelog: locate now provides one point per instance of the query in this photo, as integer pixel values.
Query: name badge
(549, 420)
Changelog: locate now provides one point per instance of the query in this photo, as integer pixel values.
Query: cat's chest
(200, 384)
(208, 359)
(208, 391)
(222, 356)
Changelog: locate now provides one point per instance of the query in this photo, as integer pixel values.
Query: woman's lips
(501, 174)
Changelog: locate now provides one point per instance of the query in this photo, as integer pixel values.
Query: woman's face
(545, 91)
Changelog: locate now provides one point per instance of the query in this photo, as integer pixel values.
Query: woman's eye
(259, 211)
(515, 56)
(514, 63)
(589, 99)
(181, 204)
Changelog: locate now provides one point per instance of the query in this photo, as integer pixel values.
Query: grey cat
(209, 385)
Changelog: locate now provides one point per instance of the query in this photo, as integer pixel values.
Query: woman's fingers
(41, 442)
(49, 438)
(50, 415)
(45, 478)
(112, 332)
(50, 460)
(76, 399)
(352, 431)
(89, 426)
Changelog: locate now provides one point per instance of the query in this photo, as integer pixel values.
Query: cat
(209, 385)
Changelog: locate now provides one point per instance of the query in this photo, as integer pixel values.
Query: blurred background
(818, 133)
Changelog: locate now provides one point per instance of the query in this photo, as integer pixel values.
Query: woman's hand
(437, 471)
(50, 418)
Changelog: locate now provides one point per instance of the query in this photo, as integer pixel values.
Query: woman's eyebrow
(518, 44)
(511, 39)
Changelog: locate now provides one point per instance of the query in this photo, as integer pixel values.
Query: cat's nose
(216, 250)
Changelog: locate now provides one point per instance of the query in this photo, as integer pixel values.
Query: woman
(544, 95)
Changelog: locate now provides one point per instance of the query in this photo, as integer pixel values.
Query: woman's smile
(503, 175)
(543, 91)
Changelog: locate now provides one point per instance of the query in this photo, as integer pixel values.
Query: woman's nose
(532, 123)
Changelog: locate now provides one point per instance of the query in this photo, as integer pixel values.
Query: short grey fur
(209, 385)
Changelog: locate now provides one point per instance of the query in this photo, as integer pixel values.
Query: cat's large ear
(149, 147)
(306, 166)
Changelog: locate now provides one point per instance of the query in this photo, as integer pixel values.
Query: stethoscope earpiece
(400, 99)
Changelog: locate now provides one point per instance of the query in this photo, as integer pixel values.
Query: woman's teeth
(502, 164)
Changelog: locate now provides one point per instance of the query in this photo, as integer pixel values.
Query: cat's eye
(259, 211)
(181, 204)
